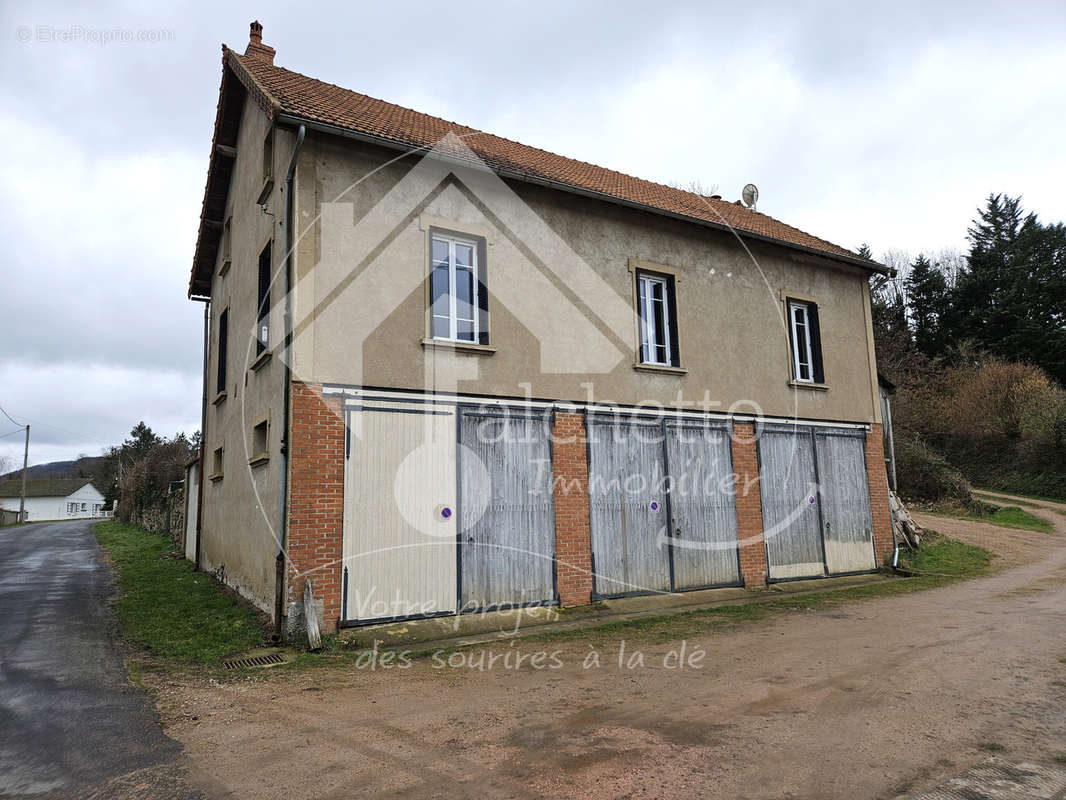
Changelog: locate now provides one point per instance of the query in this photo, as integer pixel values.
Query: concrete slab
(483, 627)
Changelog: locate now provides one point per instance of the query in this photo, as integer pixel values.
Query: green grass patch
(1003, 516)
(167, 608)
(1060, 757)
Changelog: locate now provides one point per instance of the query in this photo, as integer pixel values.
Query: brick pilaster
(573, 543)
(753, 568)
(878, 478)
(316, 500)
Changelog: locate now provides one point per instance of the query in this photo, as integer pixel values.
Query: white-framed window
(455, 289)
(805, 342)
(655, 309)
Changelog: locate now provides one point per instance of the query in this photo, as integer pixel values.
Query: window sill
(817, 387)
(264, 193)
(215, 478)
(220, 398)
(260, 360)
(459, 347)
(258, 459)
(664, 368)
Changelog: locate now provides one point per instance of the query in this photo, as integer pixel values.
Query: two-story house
(447, 372)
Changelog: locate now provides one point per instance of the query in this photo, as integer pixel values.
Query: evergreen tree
(927, 293)
(139, 445)
(1011, 298)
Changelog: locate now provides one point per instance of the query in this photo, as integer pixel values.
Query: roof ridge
(478, 131)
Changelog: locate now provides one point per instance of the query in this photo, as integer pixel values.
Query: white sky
(887, 123)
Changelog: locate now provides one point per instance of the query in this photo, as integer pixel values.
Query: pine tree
(1011, 299)
(927, 293)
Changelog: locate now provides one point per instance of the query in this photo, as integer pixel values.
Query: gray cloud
(885, 123)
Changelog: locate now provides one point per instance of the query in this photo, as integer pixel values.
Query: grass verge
(1003, 516)
(996, 497)
(169, 609)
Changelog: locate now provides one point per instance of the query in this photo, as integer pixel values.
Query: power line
(9, 417)
(12, 433)
(38, 422)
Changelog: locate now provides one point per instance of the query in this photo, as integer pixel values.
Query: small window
(227, 234)
(262, 335)
(260, 441)
(217, 463)
(458, 294)
(84, 506)
(656, 309)
(805, 340)
(223, 337)
(268, 156)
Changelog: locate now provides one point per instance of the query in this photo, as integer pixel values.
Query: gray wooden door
(788, 482)
(506, 510)
(847, 523)
(702, 505)
(627, 506)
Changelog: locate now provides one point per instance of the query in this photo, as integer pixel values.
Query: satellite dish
(750, 195)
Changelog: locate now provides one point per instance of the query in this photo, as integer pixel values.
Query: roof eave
(200, 276)
(288, 118)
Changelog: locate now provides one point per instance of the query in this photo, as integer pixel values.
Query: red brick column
(753, 568)
(573, 542)
(878, 478)
(316, 500)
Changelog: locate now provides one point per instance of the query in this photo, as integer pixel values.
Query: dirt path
(877, 699)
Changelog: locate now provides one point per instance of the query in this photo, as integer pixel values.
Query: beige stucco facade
(241, 510)
(561, 295)
(562, 322)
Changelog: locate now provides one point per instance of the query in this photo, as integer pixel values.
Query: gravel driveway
(875, 699)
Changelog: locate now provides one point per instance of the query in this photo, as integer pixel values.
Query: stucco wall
(241, 510)
(561, 295)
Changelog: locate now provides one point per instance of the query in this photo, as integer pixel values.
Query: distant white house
(54, 498)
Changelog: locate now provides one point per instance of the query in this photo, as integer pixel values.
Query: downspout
(280, 558)
(203, 429)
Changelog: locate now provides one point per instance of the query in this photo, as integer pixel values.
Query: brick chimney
(256, 49)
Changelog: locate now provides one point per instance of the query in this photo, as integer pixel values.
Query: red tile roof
(281, 91)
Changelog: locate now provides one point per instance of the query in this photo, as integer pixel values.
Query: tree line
(976, 343)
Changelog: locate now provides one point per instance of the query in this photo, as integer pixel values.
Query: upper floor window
(805, 339)
(458, 296)
(262, 336)
(223, 336)
(658, 320)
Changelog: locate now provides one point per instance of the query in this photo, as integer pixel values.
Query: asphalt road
(71, 724)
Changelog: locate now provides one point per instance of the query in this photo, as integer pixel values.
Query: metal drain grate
(255, 661)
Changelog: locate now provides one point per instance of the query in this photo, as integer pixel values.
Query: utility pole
(25, 461)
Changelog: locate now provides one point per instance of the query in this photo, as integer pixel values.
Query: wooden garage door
(399, 513)
(507, 512)
(627, 506)
(791, 517)
(702, 505)
(816, 502)
(847, 523)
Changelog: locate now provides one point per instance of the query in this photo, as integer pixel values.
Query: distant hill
(88, 467)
